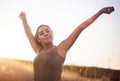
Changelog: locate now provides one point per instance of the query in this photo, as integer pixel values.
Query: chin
(48, 42)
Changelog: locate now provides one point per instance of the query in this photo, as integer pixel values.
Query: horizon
(25, 60)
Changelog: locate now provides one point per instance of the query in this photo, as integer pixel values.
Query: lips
(46, 38)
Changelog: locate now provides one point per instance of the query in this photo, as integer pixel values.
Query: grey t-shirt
(48, 66)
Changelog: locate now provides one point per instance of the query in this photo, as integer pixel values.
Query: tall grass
(20, 70)
(93, 73)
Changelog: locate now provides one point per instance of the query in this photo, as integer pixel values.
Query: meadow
(22, 70)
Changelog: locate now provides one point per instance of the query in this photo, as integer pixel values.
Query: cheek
(39, 38)
(52, 35)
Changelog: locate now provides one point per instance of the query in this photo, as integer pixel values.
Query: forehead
(43, 28)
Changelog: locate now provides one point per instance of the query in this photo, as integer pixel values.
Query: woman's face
(45, 35)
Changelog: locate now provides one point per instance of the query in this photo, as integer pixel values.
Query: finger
(111, 9)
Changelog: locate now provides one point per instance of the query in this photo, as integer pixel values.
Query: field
(22, 70)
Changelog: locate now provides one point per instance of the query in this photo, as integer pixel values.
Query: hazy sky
(98, 45)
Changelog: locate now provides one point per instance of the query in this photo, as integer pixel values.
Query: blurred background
(98, 45)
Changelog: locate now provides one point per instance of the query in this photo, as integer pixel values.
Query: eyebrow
(42, 30)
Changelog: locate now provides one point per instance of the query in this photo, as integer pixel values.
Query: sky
(98, 45)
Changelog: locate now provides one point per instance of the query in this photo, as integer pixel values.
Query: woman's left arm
(65, 45)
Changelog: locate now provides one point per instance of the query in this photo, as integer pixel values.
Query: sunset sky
(98, 45)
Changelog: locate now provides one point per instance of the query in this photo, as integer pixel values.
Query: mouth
(46, 38)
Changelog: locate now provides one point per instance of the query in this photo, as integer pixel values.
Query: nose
(45, 33)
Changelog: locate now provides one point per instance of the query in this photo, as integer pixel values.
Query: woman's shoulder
(61, 52)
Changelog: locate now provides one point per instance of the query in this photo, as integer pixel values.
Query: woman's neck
(47, 47)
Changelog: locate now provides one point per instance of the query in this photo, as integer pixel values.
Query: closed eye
(47, 30)
(41, 33)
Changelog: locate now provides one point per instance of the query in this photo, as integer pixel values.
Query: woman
(50, 58)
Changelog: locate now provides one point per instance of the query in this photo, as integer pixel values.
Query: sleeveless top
(48, 66)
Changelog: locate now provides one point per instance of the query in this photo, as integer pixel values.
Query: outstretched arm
(28, 32)
(67, 43)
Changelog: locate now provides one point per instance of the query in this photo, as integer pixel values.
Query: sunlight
(98, 45)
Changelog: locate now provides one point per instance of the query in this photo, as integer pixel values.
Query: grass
(21, 70)
(75, 73)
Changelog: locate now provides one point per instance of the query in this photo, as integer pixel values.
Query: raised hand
(107, 10)
(22, 15)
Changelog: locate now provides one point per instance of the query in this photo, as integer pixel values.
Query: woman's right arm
(28, 32)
